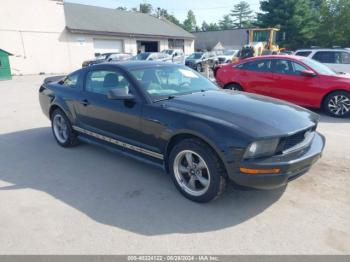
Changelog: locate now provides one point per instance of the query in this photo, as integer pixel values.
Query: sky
(208, 10)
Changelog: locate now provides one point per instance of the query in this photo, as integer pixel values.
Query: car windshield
(195, 56)
(169, 52)
(318, 67)
(167, 81)
(101, 57)
(142, 56)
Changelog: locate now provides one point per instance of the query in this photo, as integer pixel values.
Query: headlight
(261, 148)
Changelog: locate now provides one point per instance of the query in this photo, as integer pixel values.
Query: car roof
(322, 49)
(273, 57)
(129, 65)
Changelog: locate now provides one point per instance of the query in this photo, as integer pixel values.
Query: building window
(177, 44)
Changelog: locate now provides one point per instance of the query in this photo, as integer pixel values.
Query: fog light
(259, 171)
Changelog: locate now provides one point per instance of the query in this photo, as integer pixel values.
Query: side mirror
(120, 94)
(307, 73)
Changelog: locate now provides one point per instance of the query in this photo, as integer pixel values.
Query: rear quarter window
(325, 57)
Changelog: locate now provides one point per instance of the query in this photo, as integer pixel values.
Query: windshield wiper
(164, 98)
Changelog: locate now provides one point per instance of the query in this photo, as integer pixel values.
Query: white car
(153, 56)
(178, 56)
(336, 59)
(227, 56)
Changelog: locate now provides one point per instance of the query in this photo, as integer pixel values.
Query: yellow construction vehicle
(261, 41)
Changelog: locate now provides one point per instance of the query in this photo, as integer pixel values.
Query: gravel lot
(87, 200)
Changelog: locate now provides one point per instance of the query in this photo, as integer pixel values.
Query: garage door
(108, 46)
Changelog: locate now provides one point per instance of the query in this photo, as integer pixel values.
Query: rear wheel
(199, 68)
(62, 129)
(337, 104)
(196, 170)
(235, 87)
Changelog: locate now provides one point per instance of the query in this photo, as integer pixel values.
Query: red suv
(299, 80)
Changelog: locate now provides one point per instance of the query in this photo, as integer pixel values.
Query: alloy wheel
(339, 105)
(191, 173)
(60, 128)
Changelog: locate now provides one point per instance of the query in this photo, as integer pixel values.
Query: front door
(113, 118)
(290, 85)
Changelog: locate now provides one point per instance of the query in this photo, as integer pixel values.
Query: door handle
(84, 102)
(154, 120)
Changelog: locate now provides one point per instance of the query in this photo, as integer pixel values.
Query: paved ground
(87, 200)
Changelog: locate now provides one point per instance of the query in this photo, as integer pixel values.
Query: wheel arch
(232, 83)
(176, 138)
(55, 106)
(330, 92)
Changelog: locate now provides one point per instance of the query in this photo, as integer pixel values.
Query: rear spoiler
(53, 79)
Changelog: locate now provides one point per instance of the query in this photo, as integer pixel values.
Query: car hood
(255, 115)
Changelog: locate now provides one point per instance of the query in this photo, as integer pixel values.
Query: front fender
(228, 144)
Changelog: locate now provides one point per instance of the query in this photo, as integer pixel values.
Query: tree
(226, 22)
(204, 26)
(122, 8)
(213, 27)
(146, 8)
(171, 18)
(190, 22)
(295, 18)
(334, 24)
(242, 14)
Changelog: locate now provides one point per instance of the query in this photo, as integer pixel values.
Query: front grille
(293, 140)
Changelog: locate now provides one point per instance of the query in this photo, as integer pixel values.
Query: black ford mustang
(171, 116)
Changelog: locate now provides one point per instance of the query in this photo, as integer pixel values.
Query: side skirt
(113, 149)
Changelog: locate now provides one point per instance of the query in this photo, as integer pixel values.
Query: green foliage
(242, 14)
(334, 23)
(204, 26)
(164, 13)
(226, 22)
(323, 23)
(122, 8)
(296, 18)
(190, 22)
(146, 8)
(213, 27)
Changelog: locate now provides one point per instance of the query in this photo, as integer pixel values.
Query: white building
(48, 36)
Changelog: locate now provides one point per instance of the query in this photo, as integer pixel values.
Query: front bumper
(291, 167)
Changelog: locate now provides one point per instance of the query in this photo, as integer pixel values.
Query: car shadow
(116, 190)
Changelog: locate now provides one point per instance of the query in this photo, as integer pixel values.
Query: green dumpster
(5, 70)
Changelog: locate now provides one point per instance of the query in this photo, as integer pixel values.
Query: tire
(235, 87)
(337, 104)
(62, 129)
(199, 68)
(204, 179)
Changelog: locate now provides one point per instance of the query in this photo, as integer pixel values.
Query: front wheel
(235, 87)
(62, 129)
(199, 68)
(337, 104)
(196, 171)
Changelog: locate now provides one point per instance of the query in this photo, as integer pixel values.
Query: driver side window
(101, 81)
(282, 66)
